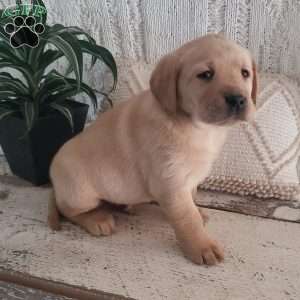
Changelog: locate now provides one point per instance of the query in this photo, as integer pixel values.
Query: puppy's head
(210, 80)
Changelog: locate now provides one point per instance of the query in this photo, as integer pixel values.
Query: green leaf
(53, 74)
(74, 30)
(9, 53)
(6, 75)
(7, 106)
(102, 54)
(46, 59)
(49, 57)
(78, 31)
(69, 70)
(13, 86)
(17, 84)
(70, 47)
(4, 19)
(91, 94)
(66, 89)
(62, 95)
(65, 111)
(57, 88)
(53, 84)
(52, 30)
(23, 68)
(14, 102)
(7, 94)
(67, 36)
(34, 54)
(39, 9)
(5, 39)
(3, 35)
(7, 113)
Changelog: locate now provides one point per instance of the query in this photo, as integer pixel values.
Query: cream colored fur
(159, 145)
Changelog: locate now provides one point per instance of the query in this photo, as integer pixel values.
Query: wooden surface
(22, 285)
(142, 259)
(267, 208)
(9, 291)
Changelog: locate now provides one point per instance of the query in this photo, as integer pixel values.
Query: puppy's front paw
(203, 251)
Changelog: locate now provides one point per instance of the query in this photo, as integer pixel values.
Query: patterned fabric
(258, 159)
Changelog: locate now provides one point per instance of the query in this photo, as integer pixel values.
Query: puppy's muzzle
(236, 103)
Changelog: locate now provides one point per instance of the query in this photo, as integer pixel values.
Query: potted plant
(37, 110)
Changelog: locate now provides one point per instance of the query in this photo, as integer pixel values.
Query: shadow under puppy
(159, 145)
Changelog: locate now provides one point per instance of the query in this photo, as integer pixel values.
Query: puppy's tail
(53, 213)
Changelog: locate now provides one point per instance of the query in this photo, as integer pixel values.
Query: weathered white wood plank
(267, 208)
(10, 291)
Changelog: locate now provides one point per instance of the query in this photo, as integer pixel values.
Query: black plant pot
(29, 156)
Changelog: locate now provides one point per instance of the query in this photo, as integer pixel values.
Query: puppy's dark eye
(245, 73)
(207, 75)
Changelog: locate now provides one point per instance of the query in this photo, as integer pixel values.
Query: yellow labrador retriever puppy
(159, 145)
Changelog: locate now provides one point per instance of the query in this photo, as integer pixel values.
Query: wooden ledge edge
(57, 288)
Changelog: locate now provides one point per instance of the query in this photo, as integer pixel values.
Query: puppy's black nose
(237, 102)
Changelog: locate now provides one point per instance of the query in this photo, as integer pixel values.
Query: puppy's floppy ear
(163, 82)
(254, 83)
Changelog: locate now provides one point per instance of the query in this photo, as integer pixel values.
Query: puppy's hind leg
(53, 213)
(87, 212)
(97, 222)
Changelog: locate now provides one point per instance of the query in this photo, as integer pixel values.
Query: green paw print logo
(24, 32)
(24, 22)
